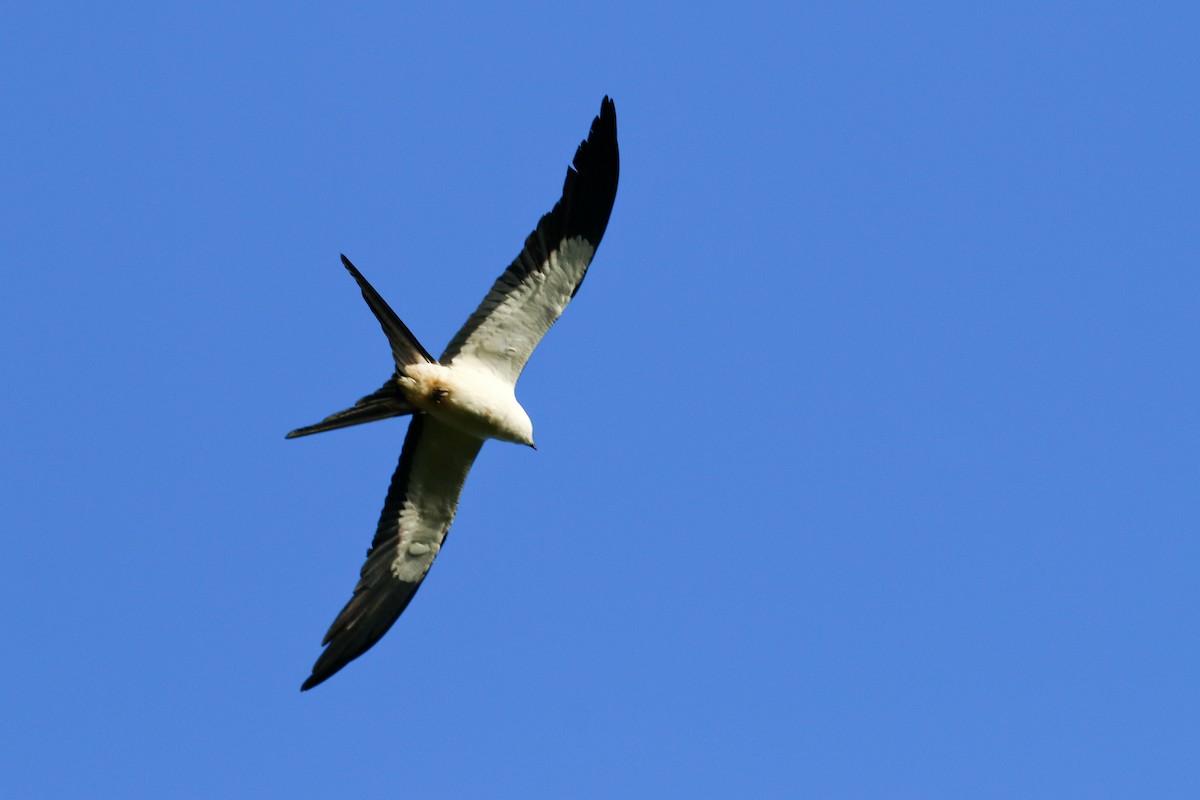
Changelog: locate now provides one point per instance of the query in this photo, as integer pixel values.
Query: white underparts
(475, 401)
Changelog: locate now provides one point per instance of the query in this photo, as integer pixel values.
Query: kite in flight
(465, 397)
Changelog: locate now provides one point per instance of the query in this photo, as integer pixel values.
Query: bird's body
(466, 397)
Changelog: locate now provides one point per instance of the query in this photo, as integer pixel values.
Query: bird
(466, 396)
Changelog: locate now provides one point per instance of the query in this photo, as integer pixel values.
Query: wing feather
(417, 513)
(531, 294)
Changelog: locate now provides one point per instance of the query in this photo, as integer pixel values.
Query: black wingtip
(591, 183)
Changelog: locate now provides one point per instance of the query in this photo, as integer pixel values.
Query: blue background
(868, 450)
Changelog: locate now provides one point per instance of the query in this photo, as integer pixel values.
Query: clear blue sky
(868, 450)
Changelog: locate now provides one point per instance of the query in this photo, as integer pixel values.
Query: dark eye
(438, 395)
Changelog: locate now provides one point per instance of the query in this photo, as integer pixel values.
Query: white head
(521, 426)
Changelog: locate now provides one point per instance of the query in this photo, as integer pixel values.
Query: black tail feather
(405, 347)
(385, 403)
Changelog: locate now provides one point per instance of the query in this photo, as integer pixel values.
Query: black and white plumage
(465, 397)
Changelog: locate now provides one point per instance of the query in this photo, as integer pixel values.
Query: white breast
(471, 399)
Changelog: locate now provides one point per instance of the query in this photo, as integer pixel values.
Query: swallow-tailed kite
(465, 397)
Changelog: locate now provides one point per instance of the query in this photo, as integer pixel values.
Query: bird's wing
(532, 293)
(417, 514)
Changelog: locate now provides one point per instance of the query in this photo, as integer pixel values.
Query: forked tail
(388, 400)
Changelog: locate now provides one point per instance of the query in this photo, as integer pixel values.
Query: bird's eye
(438, 395)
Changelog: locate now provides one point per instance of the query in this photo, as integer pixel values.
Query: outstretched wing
(532, 293)
(417, 514)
